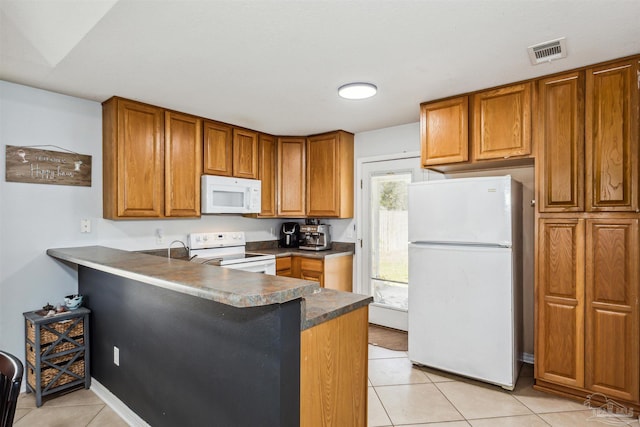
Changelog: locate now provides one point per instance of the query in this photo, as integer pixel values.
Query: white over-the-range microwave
(223, 194)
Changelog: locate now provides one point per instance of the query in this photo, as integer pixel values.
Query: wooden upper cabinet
(291, 176)
(560, 301)
(267, 163)
(502, 122)
(183, 160)
(133, 160)
(612, 137)
(245, 153)
(612, 309)
(330, 175)
(230, 151)
(218, 148)
(444, 131)
(560, 133)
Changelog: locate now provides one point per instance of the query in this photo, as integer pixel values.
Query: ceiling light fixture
(357, 90)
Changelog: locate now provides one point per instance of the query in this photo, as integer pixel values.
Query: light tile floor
(400, 394)
(81, 408)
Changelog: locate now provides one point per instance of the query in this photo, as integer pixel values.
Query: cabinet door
(612, 137)
(245, 154)
(267, 174)
(218, 149)
(502, 122)
(612, 308)
(139, 160)
(338, 273)
(310, 269)
(560, 306)
(330, 175)
(183, 160)
(283, 267)
(333, 372)
(561, 139)
(291, 177)
(444, 131)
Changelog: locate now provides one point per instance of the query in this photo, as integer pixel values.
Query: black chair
(10, 379)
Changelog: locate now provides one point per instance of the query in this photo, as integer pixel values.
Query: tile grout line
(454, 406)
(96, 415)
(383, 407)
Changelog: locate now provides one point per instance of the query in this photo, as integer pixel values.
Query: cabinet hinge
(360, 243)
(361, 184)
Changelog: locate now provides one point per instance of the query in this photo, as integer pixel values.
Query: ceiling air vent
(548, 51)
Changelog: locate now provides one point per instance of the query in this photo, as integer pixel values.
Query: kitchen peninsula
(213, 346)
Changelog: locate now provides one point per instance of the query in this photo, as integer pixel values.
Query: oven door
(264, 266)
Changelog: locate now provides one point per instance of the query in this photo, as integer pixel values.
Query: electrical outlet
(116, 356)
(85, 225)
(159, 236)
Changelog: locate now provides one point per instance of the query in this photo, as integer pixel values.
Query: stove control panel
(216, 240)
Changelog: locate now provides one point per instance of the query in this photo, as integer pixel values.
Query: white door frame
(360, 203)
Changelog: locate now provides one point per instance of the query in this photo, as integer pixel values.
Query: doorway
(383, 215)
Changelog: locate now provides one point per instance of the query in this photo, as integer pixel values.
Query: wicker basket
(63, 346)
(48, 374)
(47, 337)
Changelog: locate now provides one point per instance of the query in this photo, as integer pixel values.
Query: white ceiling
(275, 66)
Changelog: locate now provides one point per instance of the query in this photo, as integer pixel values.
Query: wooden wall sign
(27, 164)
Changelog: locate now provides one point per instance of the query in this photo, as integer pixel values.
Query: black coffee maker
(290, 235)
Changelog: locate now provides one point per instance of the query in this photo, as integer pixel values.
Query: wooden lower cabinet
(560, 305)
(335, 272)
(310, 269)
(283, 266)
(333, 372)
(612, 356)
(588, 315)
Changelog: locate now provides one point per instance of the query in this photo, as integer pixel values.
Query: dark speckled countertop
(327, 304)
(227, 286)
(271, 247)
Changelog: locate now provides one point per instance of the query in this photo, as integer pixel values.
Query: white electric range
(227, 249)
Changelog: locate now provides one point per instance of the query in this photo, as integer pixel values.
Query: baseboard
(117, 405)
(528, 358)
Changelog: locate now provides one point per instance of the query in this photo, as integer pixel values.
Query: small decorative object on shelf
(57, 350)
(73, 301)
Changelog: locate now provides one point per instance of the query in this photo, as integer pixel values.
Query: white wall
(34, 217)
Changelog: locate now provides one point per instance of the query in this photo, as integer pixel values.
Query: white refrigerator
(465, 277)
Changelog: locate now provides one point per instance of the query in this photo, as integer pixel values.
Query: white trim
(392, 317)
(528, 358)
(359, 220)
(117, 405)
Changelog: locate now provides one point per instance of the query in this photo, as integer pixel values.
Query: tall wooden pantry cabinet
(588, 269)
